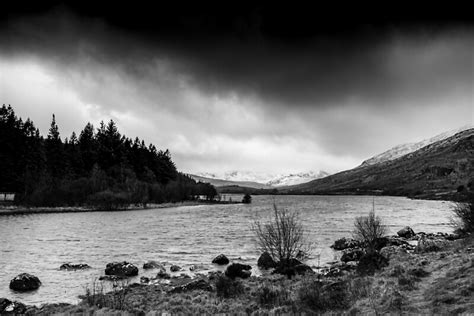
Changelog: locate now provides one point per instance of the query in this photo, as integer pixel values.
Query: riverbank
(23, 210)
(435, 278)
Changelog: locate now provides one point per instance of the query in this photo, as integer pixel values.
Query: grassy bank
(420, 282)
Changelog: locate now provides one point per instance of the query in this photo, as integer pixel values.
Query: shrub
(370, 262)
(464, 215)
(283, 238)
(226, 287)
(368, 229)
(247, 199)
(318, 296)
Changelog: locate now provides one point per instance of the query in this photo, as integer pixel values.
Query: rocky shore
(414, 273)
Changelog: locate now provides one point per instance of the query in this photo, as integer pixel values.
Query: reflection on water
(188, 235)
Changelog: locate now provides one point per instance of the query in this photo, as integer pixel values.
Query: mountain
(437, 170)
(401, 150)
(258, 180)
(296, 178)
(229, 183)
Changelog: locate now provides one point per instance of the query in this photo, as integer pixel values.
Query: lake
(187, 235)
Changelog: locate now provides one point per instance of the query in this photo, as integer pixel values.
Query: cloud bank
(241, 101)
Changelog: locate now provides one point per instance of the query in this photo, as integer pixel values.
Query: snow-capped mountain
(404, 149)
(268, 179)
(296, 178)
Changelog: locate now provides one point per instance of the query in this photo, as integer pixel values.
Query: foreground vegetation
(438, 282)
(99, 168)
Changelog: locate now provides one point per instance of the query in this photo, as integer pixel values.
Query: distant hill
(437, 170)
(257, 180)
(228, 183)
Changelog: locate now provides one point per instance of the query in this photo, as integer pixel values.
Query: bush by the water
(247, 199)
(368, 230)
(283, 237)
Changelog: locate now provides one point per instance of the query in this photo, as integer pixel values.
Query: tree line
(98, 168)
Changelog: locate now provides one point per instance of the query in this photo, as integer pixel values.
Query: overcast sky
(241, 97)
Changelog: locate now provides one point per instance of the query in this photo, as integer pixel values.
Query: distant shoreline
(23, 210)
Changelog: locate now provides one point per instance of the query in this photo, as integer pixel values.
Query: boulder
(292, 270)
(406, 232)
(25, 282)
(162, 274)
(265, 261)
(121, 268)
(72, 267)
(345, 243)
(238, 270)
(8, 307)
(112, 277)
(390, 251)
(199, 284)
(144, 279)
(152, 265)
(221, 260)
(352, 254)
(175, 268)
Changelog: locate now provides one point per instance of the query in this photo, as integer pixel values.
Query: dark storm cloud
(318, 70)
(229, 89)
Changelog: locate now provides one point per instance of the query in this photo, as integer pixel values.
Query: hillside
(437, 170)
(403, 149)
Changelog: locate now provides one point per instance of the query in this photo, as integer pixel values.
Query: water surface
(188, 235)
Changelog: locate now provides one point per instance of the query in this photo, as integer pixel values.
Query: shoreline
(23, 210)
(424, 281)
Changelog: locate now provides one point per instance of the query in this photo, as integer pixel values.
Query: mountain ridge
(437, 170)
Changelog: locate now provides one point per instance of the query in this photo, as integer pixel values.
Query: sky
(248, 88)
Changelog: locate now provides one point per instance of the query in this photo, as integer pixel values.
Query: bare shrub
(368, 229)
(464, 216)
(283, 237)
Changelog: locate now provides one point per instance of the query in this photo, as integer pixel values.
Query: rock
(352, 254)
(290, 271)
(406, 232)
(8, 307)
(221, 260)
(144, 279)
(175, 268)
(238, 270)
(112, 277)
(389, 251)
(289, 263)
(72, 267)
(199, 284)
(152, 265)
(25, 282)
(121, 268)
(265, 261)
(345, 243)
(162, 274)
